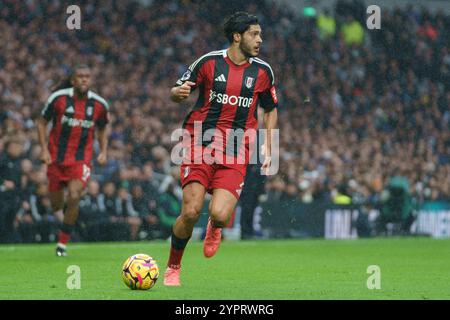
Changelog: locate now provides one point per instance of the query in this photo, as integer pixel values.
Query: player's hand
(266, 165)
(183, 91)
(102, 158)
(45, 156)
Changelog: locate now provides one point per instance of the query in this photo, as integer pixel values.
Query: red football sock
(63, 237)
(176, 251)
(175, 258)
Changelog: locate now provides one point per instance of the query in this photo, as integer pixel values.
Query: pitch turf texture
(411, 268)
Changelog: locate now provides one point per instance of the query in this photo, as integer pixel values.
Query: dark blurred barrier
(294, 219)
(327, 220)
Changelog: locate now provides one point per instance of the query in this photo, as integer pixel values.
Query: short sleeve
(49, 109)
(268, 96)
(192, 74)
(269, 99)
(103, 118)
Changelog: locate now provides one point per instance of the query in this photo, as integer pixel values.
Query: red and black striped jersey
(228, 93)
(74, 120)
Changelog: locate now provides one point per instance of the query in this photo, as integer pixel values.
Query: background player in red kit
(231, 84)
(75, 113)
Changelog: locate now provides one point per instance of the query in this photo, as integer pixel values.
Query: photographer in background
(93, 216)
(10, 178)
(35, 219)
(145, 205)
(253, 188)
(396, 207)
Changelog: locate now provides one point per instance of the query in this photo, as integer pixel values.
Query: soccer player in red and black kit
(75, 113)
(231, 84)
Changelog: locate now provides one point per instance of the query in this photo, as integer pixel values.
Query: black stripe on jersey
(200, 103)
(192, 72)
(89, 116)
(255, 112)
(215, 109)
(66, 130)
(201, 97)
(49, 111)
(198, 63)
(241, 115)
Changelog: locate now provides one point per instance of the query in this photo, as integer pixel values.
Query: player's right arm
(46, 115)
(42, 134)
(179, 93)
(190, 80)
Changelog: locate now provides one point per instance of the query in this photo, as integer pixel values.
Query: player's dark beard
(80, 93)
(246, 50)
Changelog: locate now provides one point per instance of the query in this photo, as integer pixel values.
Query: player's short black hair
(238, 22)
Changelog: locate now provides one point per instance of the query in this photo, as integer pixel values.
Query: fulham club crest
(249, 82)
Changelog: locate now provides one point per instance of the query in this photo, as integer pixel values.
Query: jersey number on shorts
(238, 191)
(86, 173)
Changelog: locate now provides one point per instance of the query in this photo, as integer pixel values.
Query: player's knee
(191, 214)
(74, 195)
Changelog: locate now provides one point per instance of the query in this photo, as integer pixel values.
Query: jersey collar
(225, 56)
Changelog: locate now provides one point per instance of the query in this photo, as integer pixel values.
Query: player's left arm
(270, 124)
(102, 133)
(269, 102)
(102, 136)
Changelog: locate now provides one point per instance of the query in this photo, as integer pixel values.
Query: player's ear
(237, 37)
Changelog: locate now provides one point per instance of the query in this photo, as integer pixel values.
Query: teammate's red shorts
(215, 176)
(58, 175)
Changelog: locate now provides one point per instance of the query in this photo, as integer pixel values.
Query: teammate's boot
(61, 251)
(212, 240)
(172, 277)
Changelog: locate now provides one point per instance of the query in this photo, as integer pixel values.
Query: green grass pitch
(411, 268)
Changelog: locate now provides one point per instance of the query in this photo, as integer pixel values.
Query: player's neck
(236, 56)
(80, 95)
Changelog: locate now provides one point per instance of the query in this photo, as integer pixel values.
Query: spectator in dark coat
(10, 182)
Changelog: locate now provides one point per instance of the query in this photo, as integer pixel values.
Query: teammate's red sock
(176, 251)
(64, 234)
(63, 237)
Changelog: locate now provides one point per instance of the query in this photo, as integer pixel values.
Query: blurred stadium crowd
(357, 106)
